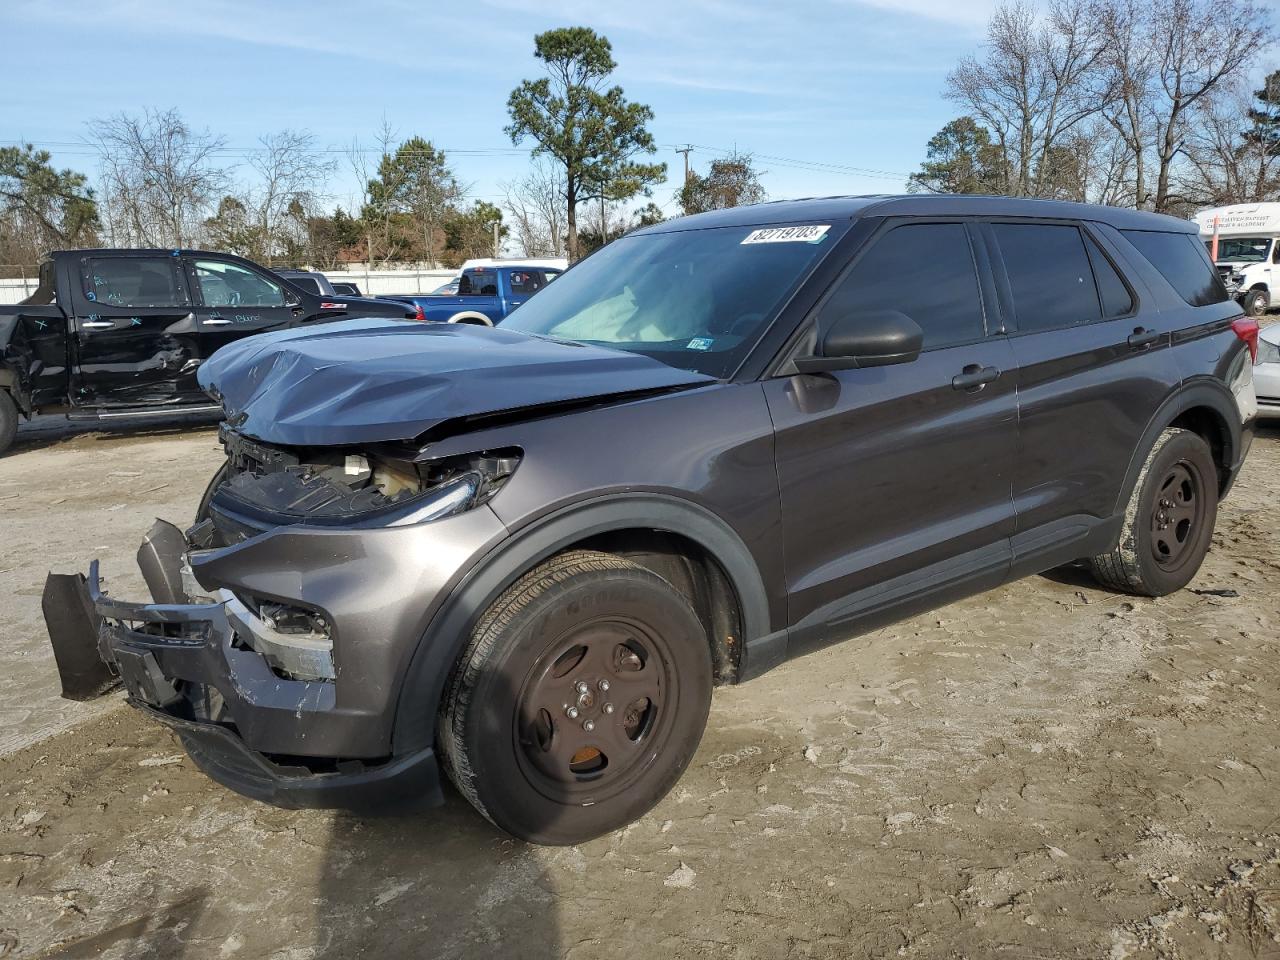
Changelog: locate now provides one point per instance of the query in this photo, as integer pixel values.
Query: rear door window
(134, 282)
(1116, 297)
(1050, 275)
(529, 282)
(1181, 259)
(924, 270)
(224, 284)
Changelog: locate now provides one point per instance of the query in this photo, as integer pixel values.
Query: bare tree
(1035, 84)
(291, 177)
(1225, 164)
(1163, 63)
(160, 177)
(536, 205)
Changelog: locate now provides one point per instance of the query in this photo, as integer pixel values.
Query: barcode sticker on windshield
(810, 233)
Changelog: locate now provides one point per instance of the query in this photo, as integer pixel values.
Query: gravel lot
(1049, 770)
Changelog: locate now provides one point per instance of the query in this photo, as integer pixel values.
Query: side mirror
(874, 338)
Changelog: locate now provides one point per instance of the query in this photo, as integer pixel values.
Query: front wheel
(579, 701)
(1256, 303)
(1168, 521)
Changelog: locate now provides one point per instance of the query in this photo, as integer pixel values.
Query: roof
(920, 205)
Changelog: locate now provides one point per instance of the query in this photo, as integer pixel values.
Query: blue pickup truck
(485, 294)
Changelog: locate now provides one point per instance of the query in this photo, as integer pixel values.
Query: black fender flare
(447, 633)
(1206, 392)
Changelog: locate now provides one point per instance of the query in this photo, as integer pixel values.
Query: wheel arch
(471, 317)
(1204, 406)
(628, 523)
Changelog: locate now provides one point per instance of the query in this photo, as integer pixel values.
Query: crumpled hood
(366, 381)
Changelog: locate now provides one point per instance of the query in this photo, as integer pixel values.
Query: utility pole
(497, 237)
(686, 150)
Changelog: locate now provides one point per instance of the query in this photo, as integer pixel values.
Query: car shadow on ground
(49, 431)
(443, 884)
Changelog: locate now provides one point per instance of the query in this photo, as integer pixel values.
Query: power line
(73, 148)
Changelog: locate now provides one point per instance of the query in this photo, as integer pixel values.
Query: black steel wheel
(1177, 515)
(579, 701)
(1169, 520)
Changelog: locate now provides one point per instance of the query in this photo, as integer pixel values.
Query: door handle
(1142, 337)
(974, 376)
(216, 321)
(97, 325)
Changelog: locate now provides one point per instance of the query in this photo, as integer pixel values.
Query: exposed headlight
(365, 491)
(1267, 353)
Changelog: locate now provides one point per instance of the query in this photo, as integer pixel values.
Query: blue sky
(833, 96)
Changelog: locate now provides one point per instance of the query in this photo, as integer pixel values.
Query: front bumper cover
(181, 664)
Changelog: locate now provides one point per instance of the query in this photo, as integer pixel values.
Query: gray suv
(523, 556)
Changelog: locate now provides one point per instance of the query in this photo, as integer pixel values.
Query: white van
(1248, 254)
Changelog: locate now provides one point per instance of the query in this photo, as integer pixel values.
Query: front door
(131, 314)
(895, 480)
(233, 300)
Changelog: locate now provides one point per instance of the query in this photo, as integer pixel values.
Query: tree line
(1137, 103)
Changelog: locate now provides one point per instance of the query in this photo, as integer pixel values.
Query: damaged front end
(282, 620)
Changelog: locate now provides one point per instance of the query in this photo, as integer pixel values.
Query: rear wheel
(579, 701)
(8, 420)
(1256, 302)
(1168, 521)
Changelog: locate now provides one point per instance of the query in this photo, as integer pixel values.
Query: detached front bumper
(205, 668)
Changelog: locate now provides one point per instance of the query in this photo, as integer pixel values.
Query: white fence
(372, 283)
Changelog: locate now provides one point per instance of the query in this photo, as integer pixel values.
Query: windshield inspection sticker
(811, 233)
(699, 343)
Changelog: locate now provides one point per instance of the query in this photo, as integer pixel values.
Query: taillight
(421, 317)
(1247, 330)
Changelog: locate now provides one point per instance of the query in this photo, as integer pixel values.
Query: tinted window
(1181, 259)
(134, 282)
(527, 282)
(478, 283)
(695, 299)
(309, 284)
(1049, 274)
(228, 285)
(1116, 298)
(923, 270)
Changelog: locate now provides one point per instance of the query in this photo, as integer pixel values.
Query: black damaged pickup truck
(121, 333)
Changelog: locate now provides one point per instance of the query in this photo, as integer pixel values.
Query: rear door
(1093, 366)
(133, 319)
(525, 282)
(895, 480)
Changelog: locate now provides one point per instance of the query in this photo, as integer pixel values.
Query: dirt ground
(1046, 771)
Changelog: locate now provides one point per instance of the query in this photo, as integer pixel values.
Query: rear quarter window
(1181, 259)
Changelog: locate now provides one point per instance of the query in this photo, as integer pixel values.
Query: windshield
(695, 299)
(1243, 249)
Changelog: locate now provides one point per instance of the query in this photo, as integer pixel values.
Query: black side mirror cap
(874, 338)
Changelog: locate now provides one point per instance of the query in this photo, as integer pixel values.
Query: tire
(8, 420)
(219, 477)
(1256, 303)
(584, 642)
(1168, 522)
